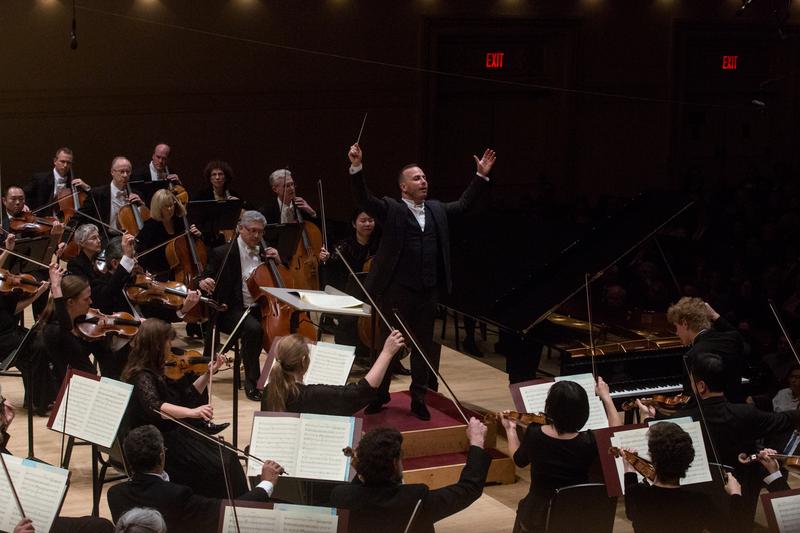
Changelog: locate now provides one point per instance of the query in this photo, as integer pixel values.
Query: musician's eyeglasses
(254, 231)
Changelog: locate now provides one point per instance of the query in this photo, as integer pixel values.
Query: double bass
(276, 316)
(304, 265)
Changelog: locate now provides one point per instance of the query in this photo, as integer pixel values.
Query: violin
(169, 294)
(790, 462)
(641, 465)
(179, 362)
(18, 283)
(27, 224)
(666, 405)
(526, 419)
(96, 325)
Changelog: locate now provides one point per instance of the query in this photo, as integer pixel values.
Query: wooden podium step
(434, 451)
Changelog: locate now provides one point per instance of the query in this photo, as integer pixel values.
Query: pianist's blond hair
(692, 311)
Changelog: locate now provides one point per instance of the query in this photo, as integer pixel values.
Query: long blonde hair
(291, 360)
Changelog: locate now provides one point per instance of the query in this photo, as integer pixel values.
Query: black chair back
(597, 510)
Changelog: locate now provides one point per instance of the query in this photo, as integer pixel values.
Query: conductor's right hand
(206, 412)
(207, 285)
(270, 471)
(393, 342)
(355, 155)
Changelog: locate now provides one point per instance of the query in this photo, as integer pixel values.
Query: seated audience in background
(787, 399)
(666, 507)
(286, 391)
(378, 500)
(141, 520)
(560, 454)
(182, 509)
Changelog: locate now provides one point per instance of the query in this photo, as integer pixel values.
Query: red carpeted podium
(434, 451)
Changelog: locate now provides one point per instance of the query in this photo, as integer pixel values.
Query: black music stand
(35, 248)
(284, 238)
(212, 217)
(146, 189)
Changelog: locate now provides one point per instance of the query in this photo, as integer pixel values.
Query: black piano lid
(558, 280)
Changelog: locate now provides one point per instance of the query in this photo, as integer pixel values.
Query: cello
(276, 316)
(304, 266)
(131, 217)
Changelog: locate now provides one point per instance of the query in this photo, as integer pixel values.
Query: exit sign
(729, 62)
(494, 60)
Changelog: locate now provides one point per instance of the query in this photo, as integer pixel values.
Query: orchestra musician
(412, 264)
(165, 223)
(664, 506)
(286, 391)
(219, 176)
(107, 200)
(245, 255)
(32, 363)
(378, 495)
(156, 169)
(560, 454)
(190, 460)
(45, 186)
(153, 487)
(283, 208)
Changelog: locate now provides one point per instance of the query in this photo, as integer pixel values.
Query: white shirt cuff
(267, 486)
(355, 168)
(772, 477)
(127, 263)
(486, 178)
(180, 313)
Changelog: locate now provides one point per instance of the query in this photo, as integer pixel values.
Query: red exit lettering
(729, 62)
(494, 59)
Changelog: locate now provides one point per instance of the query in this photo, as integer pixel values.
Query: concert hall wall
(131, 83)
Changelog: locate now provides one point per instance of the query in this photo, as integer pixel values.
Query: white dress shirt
(59, 182)
(155, 175)
(418, 210)
(250, 259)
(117, 202)
(288, 213)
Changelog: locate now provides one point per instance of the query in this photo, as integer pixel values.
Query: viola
(181, 362)
(169, 294)
(18, 283)
(664, 404)
(641, 465)
(527, 419)
(790, 462)
(96, 325)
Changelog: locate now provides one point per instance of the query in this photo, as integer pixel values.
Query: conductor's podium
(434, 452)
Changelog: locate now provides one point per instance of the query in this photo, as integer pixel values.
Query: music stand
(212, 217)
(35, 248)
(146, 189)
(284, 238)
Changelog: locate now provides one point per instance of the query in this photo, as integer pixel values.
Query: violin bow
(699, 400)
(322, 214)
(157, 246)
(407, 332)
(26, 258)
(783, 328)
(591, 325)
(11, 484)
(364, 290)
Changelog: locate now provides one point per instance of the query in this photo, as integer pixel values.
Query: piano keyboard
(640, 392)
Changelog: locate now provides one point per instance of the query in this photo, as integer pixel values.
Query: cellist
(107, 200)
(244, 256)
(44, 187)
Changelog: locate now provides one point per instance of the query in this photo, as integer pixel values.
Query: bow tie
(252, 251)
(121, 195)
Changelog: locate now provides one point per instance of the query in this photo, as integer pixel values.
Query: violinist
(106, 286)
(190, 459)
(165, 223)
(13, 205)
(733, 428)
(245, 255)
(33, 362)
(107, 200)
(664, 506)
(287, 392)
(560, 454)
(45, 186)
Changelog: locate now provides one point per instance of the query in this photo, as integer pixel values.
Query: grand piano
(636, 351)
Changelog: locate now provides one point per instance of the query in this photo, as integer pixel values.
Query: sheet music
(635, 439)
(330, 301)
(329, 364)
(95, 409)
(322, 438)
(787, 513)
(41, 489)
(597, 413)
(281, 519)
(534, 396)
(275, 438)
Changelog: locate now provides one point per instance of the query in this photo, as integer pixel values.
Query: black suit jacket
(724, 340)
(183, 511)
(229, 286)
(106, 288)
(40, 189)
(99, 205)
(388, 507)
(392, 214)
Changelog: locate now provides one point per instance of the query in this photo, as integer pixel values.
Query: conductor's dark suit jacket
(392, 214)
(724, 340)
(183, 511)
(388, 507)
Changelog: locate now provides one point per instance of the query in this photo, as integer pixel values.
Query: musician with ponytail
(287, 392)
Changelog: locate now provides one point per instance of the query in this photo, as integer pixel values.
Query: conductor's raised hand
(394, 342)
(355, 155)
(484, 164)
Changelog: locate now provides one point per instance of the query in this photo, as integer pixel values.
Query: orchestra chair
(585, 507)
(114, 458)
